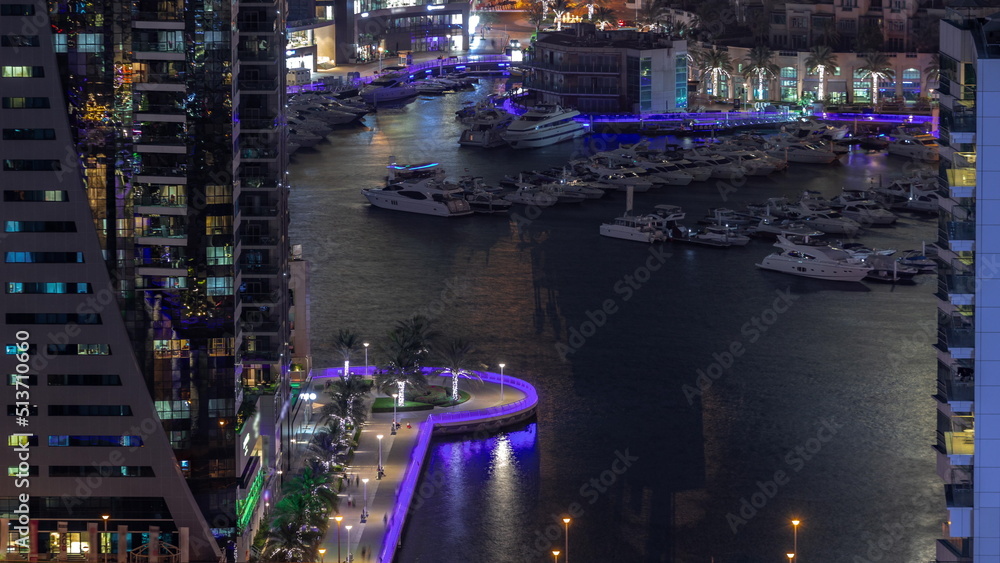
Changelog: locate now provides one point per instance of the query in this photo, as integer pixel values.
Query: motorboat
(716, 235)
(813, 259)
(620, 178)
(388, 90)
(629, 227)
(812, 129)
(723, 217)
(482, 201)
(562, 194)
(531, 195)
(699, 171)
(542, 126)
(722, 167)
(427, 196)
(485, 128)
(914, 144)
(830, 222)
(918, 259)
(921, 201)
(868, 213)
(431, 86)
(807, 154)
(303, 138)
(771, 227)
(887, 269)
(667, 219)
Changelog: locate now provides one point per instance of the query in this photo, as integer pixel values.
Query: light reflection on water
(859, 354)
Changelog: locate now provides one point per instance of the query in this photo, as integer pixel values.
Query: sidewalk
(396, 453)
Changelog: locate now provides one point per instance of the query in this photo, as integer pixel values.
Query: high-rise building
(175, 129)
(967, 345)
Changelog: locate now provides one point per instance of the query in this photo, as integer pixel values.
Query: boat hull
(627, 233)
(452, 208)
(831, 272)
(528, 141)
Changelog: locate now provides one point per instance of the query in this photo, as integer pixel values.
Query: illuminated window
(40, 227)
(16, 441)
(219, 225)
(220, 347)
(218, 194)
(43, 257)
(220, 285)
(219, 255)
(28, 135)
(78, 349)
(14, 471)
(25, 103)
(22, 72)
(34, 195)
(171, 348)
(21, 379)
(48, 287)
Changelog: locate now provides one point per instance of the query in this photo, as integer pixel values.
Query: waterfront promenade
(403, 456)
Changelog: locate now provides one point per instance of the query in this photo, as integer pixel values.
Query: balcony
(169, 109)
(258, 153)
(258, 270)
(179, 170)
(258, 240)
(258, 211)
(959, 235)
(257, 26)
(258, 55)
(957, 288)
(155, 204)
(961, 182)
(171, 47)
(260, 298)
(575, 68)
(572, 89)
(258, 182)
(266, 86)
(259, 327)
(257, 356)
(956, 387)
(960, 342)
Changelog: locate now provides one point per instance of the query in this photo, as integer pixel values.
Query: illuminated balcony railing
(159, 16)
(162, 232)
(158, 46)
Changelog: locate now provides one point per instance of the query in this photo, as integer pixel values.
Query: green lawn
(433, 396)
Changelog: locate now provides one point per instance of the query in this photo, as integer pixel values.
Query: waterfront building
(968, 252)
(175, 124)
(609, 71)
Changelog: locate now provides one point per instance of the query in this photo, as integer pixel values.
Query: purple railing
(411, 476)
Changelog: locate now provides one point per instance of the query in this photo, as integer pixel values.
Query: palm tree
(325, 444)
(591, 5)
(821, 58)
(346, 343)
(877, 67)
(559, 8)
(603, 15)
(455, 359)
(346, 401)
(760, 65)
(933, 69)
(651, 14)
(716, 63)
(680, 29)
(317, 490)
(402, 354)
(535, 13)
(286, 542)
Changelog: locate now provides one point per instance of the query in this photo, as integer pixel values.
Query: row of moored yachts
(798, 228)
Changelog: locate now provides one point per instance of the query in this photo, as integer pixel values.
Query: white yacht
(773, 226)
(717, 235)
(619, 178)
(485, 128)
(388, 90)
(868, 213)
(811, 259)
(427, 196)
(700, 171)
(629, 227)
(914, 144)
(722, 167)
(828, 221)
(542, 126)
(721, 216)
(791, 150)
(527, 194)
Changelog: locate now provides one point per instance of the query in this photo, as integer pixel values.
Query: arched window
(911, 84)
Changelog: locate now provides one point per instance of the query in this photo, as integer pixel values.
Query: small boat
(867, 213)
(715, 235)
(915, 144)
(629, 227)
(482, 201)
(724, 217)
(773, 226)
(917, 259)
(531, 195)
(885, 268)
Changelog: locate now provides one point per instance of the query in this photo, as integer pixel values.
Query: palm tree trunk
(454, 386)
(760, 86)
(874, 89)
(590, 12)
(402, 390)
(822, 78)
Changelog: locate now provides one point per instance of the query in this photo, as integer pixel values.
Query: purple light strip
(408, 485)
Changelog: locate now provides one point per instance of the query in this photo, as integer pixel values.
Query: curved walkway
(403, 456)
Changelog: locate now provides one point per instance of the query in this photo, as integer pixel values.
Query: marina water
(691, 404)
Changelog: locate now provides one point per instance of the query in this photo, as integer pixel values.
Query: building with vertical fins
(160, 195)
(969, 274)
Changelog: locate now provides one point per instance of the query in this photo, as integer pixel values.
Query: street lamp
(309, 397)
(322, 555)
(795, 536)
(105, 518)
(349, 558)
(790, 556)
(364, 511)
(394, 395)
(566, 547)
(501, 382)
(339, 519)
(366, 358)
(555, 554)
(379, 455)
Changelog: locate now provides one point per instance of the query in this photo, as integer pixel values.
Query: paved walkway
(396, 452)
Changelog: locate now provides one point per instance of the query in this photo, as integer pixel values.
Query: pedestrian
(385, 518)
(350, 500)
(357, 480)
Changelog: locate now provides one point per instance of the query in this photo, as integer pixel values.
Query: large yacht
(917, 145)
(542, 126)
(427, 196)
(485, 128)
(812, 259)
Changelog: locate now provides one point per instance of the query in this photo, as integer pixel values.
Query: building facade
(968, 271)
(609, 71)
(176, 124)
